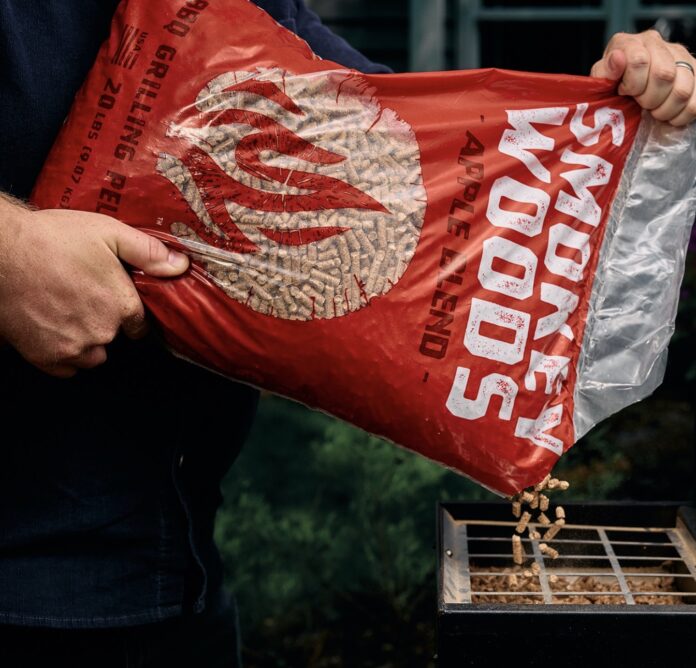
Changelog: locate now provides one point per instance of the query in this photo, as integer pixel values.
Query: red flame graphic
(216, 186)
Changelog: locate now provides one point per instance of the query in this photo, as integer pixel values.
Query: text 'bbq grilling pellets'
(478, 265)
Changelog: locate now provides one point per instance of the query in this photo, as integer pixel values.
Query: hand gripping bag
(477, 265)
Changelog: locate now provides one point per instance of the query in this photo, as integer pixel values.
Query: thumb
(147, 253)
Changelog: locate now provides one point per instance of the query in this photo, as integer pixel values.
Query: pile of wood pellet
(380, 157)
(517, 580)
(539, 504)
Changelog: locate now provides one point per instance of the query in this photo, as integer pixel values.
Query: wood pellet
(548, 551)
(527, 497)
(517, 550)
(552, 532)
(543, 484)
(524, 520)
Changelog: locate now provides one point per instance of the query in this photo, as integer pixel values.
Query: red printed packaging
(466, 263)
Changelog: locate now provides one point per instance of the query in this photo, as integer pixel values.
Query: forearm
(12, 211)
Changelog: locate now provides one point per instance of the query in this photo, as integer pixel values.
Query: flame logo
(217, 187)
(304, 197)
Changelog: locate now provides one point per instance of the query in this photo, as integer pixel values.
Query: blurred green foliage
(323, 522)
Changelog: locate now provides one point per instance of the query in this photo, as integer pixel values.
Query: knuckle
(106, 336)
(135, 316)
(658, 115)
(96, 357)
(620, 37)
(136, 309)
(664, 73)
(682, 93)
(637, 58)
(132, 306)
(155, 250)
(679, 121)
(66, 351)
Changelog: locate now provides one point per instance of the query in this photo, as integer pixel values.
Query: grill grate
(633, 552)
(627, 556)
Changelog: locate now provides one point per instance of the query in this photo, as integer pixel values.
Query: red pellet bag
(476, 265)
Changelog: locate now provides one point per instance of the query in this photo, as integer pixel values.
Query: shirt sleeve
(329, 45)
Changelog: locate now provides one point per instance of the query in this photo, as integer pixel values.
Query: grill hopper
(633, 563)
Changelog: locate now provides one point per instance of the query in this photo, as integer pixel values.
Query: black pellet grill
(609, 540)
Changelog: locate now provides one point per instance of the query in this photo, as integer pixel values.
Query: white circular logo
(306, 196)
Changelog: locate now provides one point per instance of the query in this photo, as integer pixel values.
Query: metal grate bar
(556, 593)
(592, 557)
(678, 544)
(507, 593)
(620, 573)
(543, 579)
(597, 574)
(585, 527)
(572, 540)
(462, 542)
(456, 574)
(680, 594)
(616, 567)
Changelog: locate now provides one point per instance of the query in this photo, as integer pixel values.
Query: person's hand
(648, 69)
(64, 293)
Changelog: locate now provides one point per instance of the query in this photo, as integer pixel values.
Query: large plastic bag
(476, 265)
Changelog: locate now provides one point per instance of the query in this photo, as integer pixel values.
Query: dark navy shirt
(110, 481)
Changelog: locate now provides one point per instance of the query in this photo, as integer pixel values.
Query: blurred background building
(428, 35)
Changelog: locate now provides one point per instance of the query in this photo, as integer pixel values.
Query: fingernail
(177, 259)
